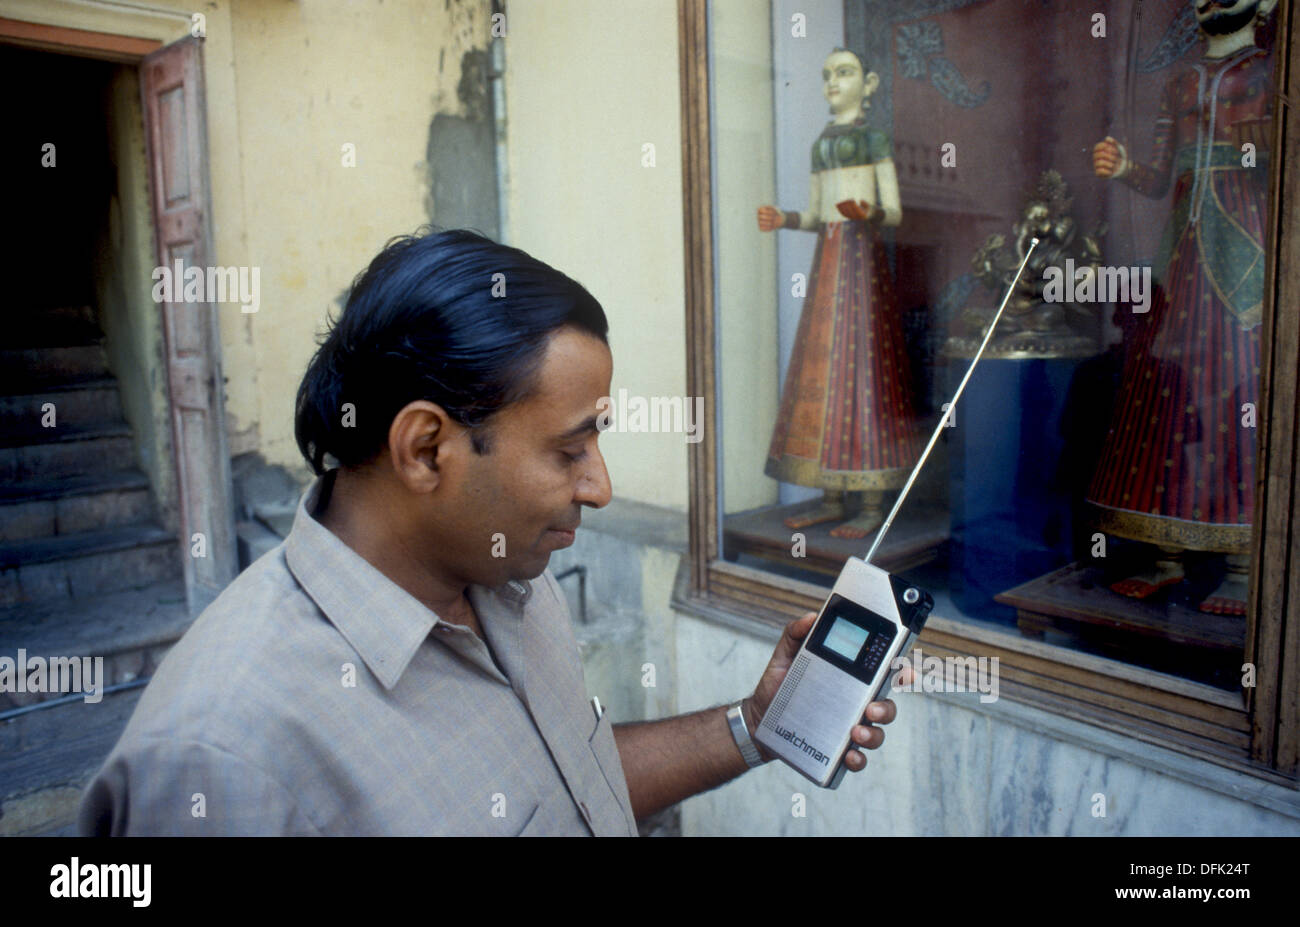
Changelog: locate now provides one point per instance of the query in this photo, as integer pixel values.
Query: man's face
(524, 497)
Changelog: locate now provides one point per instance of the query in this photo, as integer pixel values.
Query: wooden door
(171, 82)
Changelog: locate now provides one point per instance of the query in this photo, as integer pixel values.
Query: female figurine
(846, 420)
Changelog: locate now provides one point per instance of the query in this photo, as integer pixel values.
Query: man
(403, 663)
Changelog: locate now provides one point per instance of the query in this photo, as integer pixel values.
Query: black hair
(447, 316)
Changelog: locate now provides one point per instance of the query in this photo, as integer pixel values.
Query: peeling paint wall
(461, 155)
(306, 79)
(288, 85)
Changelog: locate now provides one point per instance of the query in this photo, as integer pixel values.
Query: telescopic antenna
(952, 407)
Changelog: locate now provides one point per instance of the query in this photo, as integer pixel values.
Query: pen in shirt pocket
(595, 704)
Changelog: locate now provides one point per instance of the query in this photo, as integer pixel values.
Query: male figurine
(1177, 467)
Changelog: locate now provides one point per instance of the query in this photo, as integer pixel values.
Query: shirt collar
(382, 622)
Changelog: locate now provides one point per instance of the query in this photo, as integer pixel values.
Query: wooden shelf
(914, 539)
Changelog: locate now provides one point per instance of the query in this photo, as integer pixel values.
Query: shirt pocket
(604, 749)
(533, 827)
(552, 815)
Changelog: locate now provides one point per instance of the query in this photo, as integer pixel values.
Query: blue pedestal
(1011, 507)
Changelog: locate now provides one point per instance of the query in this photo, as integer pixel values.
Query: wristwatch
(740, 733)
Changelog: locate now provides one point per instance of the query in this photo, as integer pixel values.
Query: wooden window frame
(1257, 731)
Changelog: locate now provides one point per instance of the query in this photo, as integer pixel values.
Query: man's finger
(867, 736)
(882, 712)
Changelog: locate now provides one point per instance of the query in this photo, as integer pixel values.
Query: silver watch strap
(740, 733)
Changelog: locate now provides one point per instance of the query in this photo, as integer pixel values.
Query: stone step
(56, 326)
(47, 755)
(75, 402)
(253, 540)
(40, 332)
(21, 367)
(65, 450)
(34, 434)
(85, 502)
(77, 566)
(128, 629)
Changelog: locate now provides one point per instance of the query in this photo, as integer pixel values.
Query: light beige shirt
(315, 696)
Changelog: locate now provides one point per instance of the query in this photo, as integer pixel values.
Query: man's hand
(866, 736)
(666, 761)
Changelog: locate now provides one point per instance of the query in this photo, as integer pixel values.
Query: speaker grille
(782, 700)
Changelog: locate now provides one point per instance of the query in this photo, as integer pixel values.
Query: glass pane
(881, 168)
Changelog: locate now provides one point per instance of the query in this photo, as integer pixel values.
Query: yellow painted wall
(309, 78)
(589, 84)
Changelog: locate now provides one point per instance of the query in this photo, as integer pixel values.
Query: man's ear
(422, 440)
(870, 83)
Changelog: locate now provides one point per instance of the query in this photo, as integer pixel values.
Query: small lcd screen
(845, 638)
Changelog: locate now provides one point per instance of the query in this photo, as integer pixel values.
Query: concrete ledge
(1201, 773)
(645, 524)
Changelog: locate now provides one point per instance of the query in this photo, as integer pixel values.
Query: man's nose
(594, 487)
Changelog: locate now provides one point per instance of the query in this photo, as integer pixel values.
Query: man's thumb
(795, 632)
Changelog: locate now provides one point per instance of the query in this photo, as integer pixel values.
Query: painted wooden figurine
(846, 422)
(1177, 468)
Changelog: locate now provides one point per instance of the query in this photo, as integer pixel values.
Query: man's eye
(574, 457)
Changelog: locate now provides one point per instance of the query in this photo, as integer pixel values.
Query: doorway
(112, 450)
